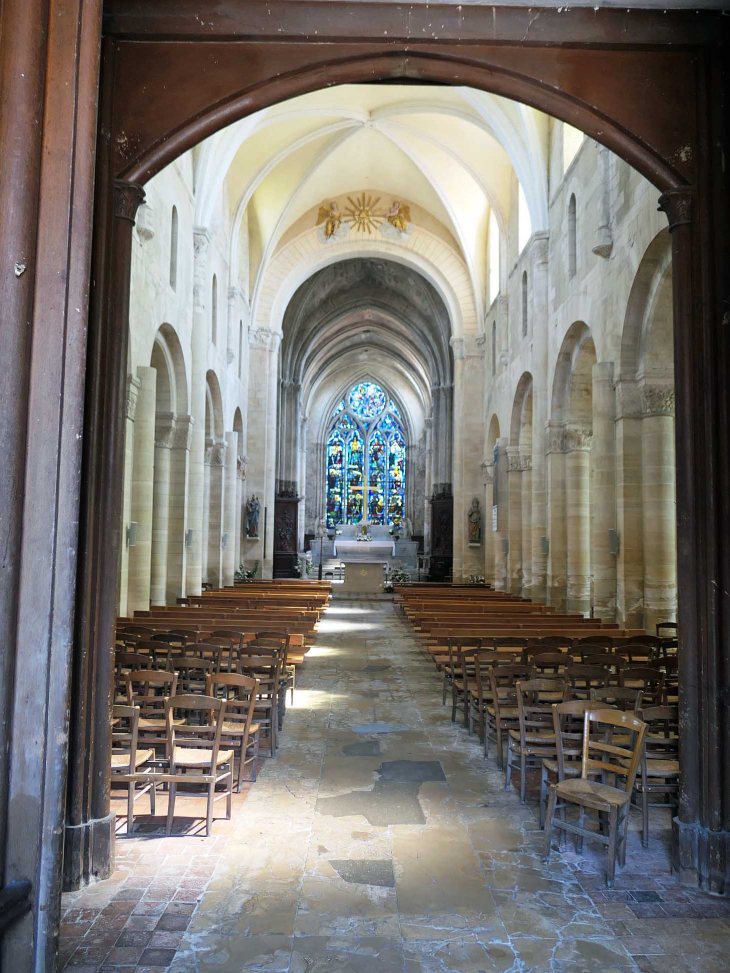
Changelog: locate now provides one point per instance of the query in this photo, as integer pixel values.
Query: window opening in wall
(173, 249)
(572, 259)
(524, 223)
(493, 256)
(366, 460)
(494, 347)
(572, 141)
(524, 303)
(240, 347)
(214, 309)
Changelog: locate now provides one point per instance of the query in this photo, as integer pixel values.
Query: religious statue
(408, 527)
(330, 219)
(252, 516)
(475, 522)
(397, 221)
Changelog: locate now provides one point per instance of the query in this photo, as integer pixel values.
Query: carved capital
(540, 246)
(126, 199)
(457, 345)
(657, 400)
(525, 461)
(201, 239)
(132, 392)
(241, 467)
(555, 437)
(513, 458)
(183, 435)
(259, 337)
(628, 400)
(145, 222)
(488, 472)
(578, 437)
(677, 204)
(215, 454)
(274, 341)
(165, 423)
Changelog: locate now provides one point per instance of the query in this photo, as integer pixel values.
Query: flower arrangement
(246, 574)
(476, 579)
(396, 576)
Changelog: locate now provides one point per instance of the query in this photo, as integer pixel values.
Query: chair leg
(453, 703)
(552, 798)
(170, 807)
(623, 830)
(153, 796)
(254, 763)
(508, 772)
(581, 824)
(486, 735)
(229, 796)
(130, 806)
(443, 696)
(500, 749)
(241, 761)
(644, 817)
(209, 809)
(523, 777)
(612, 839)
(543, 794)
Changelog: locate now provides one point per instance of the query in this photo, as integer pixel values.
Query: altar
(363, 576)
(349, 550)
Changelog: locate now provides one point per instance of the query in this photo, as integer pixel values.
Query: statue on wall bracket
(252, 517)
(475, 523)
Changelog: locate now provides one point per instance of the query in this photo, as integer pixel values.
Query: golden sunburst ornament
(362, 214)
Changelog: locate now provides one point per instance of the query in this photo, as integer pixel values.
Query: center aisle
(379, 839)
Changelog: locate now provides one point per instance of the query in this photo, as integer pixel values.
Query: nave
(380, 839)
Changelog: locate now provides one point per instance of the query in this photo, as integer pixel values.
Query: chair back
(240, 693)
(669, 628)
(582, 678)
(568, 729)
(205, 735)
(535, 701)
(550, 663)
(483, 660)
(147, 688)
(124, 736)
(662, 732)
(131, 660)
(191, 671)
(136, 630)
(460, 648)
(638, 653)
(606, 640)
(556, 641)
(623, 698)
(646, 678)
(503, 679)
(602, 755)
(609, 660)
(223, 633)
(206, 651)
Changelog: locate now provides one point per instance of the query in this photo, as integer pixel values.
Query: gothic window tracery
(366, 460)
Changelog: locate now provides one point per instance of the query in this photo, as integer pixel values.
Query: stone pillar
(257, 420)
(215, 470)
(142, 491)
(229, 508)
(130, 413)
(269, 493)
(197, 551)
(240, 501)
(501, 534)
(178, 512)
(526, 512)
(164, 431)
(603, 491)
(659, 503)
(578, 504)
(540, 399)
(629, 508)
(429, 487)
(487, 534)
(557, 565)
(514, 520)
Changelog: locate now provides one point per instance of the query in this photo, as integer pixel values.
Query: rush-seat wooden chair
(600, 756)
(659, 774)
(534, 739)
(502, 712)
(568, 729)
(239, 730)
(128, 760)
(195, 754)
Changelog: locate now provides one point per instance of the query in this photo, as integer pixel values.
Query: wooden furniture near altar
(442, 537)
(286, 518)
(363, 577)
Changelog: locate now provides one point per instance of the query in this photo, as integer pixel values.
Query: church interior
(385, 617)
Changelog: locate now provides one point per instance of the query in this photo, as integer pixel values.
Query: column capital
(513, 458)
(241, 467)
(183, 434)
(133, 384)
(127, 197)
(657, 400)
(488, 472)
(165, 423)
(215, 453)
(628, 399)
(555, 437)
(578, 437)
(274, 341)
(201, 239)
(457, 345)
(677, 204)
(539, 247)
(259, 337)
(525, 458)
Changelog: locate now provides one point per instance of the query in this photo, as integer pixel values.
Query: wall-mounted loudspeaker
(132, 534)
(612, 541)
(545, 544)
(189, 537)
(505, 545)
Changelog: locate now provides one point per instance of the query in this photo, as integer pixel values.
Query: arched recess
(519, 454)
(569, 468)
(646, 503)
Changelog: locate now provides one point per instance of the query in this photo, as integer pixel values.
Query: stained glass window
(366, 460)
(335, 478)
(367, 400)
(355, 478)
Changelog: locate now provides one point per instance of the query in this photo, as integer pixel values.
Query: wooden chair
(671, 628)
(461, 673)
(127, 760)
(239, 729)
(550, 664)
(289, 662)
(600, 755)
(136, 630)
(207, 651)
(582, 678)
(620, 697)
(568, 730)
(265, 666)
(659, 763)
(639, 651)
(191, 672)
(223, 633)
(610, 661)
(502, 713)
(195, 753)
(648, 679)
(147, 689)
(480, 695)
(535, 737)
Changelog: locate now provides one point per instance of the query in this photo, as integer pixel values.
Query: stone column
(304, 486)
(240, 502)
(660, 513)
(215, 478)
(557, 565)
(578, 504)
(526, 511)
(629, 508)
(540, 399)
(603, 491)
(500, 535)
(487, 535)
(428, 487)
(178, 513)
(164, 431)
(197, 551)
(257, 420)
(142, 490)
(229, 508)
(269, 493)
(514, 521)
(130, 413)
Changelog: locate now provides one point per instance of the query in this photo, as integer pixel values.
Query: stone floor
(379, 839)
